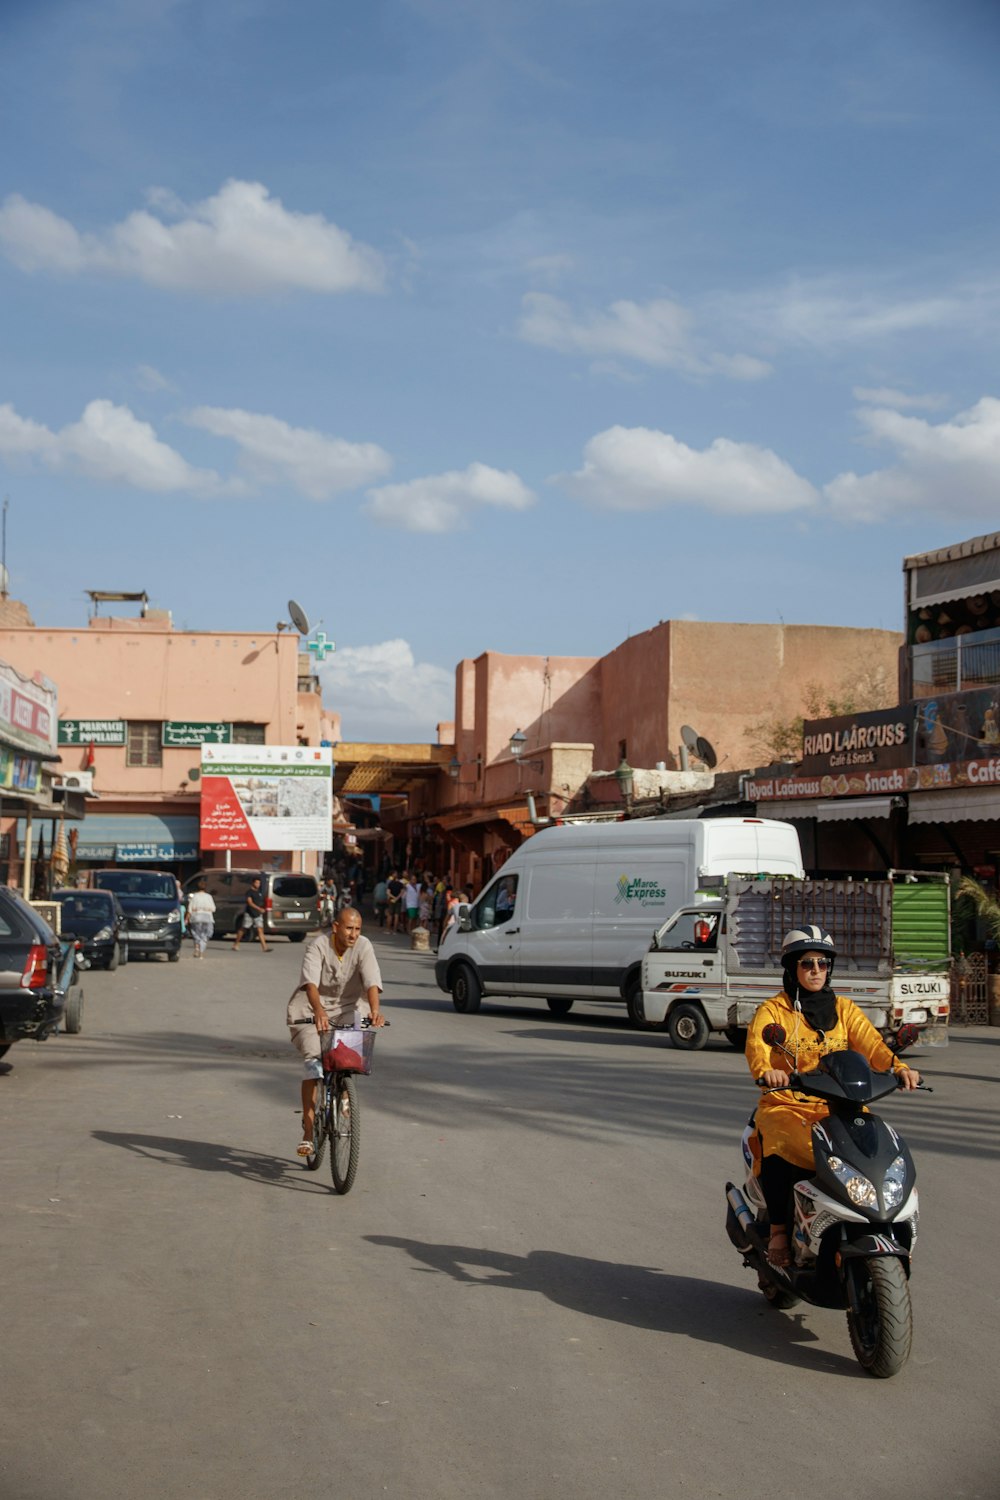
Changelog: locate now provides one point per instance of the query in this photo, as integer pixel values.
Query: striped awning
(959, 806)
(828, 809)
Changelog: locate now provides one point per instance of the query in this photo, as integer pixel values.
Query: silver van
(291, 901)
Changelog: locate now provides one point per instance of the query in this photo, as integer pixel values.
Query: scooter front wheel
(882, 1328)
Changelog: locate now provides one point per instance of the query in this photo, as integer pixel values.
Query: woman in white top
(201, 918)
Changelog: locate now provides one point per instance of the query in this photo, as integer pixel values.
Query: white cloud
(239, 242)
(884, 395)
(149, 378)
(272, 451)
(108, 443)
(658, 333)
(383, 693)
(444, 502)
(637, 468)
(832, 312)
(947, 468)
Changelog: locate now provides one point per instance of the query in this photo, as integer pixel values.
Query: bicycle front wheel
(346, 1134)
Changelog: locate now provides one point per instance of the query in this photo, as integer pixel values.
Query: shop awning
(131, 838)
(955, 807)
(828, 809)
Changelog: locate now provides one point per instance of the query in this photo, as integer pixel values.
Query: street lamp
(518, 740)
(625, 777)
(454, 767)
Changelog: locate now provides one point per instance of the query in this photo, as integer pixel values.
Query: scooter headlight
(860, 1191)
(893, 1184)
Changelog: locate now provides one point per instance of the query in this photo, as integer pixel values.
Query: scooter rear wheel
(882, 1334)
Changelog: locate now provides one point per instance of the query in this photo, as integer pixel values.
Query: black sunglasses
(814, 963)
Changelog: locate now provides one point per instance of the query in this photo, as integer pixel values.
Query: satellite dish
(689, 737)
(706, 752)
(299, 617)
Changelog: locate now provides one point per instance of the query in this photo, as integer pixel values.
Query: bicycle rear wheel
(321, 1127)
(345, 1140)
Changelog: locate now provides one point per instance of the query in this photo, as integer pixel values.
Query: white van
(570, 915)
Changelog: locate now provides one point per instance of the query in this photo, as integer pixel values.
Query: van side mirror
(464, 920)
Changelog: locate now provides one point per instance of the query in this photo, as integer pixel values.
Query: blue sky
(478, 326)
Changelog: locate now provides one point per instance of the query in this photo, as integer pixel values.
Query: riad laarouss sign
(874, 741)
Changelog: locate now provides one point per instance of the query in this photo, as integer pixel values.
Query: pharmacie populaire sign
(185, 733)
(876, 741)
(272, 797)
(92, 731)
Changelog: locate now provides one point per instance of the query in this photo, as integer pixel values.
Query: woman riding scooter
(815, 1021)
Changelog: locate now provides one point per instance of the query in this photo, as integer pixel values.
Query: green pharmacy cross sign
(186, 733)
(320, 646)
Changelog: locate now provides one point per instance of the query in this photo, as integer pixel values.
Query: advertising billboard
(271, 797)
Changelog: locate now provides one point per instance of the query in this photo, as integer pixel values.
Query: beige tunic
(341, 982)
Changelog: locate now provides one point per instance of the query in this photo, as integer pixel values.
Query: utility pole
(4, 580)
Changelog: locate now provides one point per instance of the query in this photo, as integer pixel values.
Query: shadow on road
(639, 1297)
(205, 1156)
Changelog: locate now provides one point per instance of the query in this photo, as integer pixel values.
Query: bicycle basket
(347, 1049)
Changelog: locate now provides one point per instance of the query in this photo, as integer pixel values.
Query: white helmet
(810, 939)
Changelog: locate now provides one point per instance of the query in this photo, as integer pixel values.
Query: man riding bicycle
(339, 969)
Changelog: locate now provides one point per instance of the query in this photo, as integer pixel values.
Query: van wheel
(736, 1036)
(296, 937)
(115, 959)
(688, 1028)
(559, 1005)
(466, 990)
(633, 1005)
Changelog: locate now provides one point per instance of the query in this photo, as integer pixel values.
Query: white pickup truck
(710, 965)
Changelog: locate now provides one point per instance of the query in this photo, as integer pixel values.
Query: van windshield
(139, 883)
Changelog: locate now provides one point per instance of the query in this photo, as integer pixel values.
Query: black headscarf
(819, 1007)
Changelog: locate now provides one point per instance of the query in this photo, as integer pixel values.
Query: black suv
(152, 909)
(97, 920)
(31, 958)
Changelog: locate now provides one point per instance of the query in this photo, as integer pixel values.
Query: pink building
(136, 697)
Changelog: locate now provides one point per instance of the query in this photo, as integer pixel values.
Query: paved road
(529, 1293)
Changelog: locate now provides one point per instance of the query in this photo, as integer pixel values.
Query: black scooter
(853, 1223)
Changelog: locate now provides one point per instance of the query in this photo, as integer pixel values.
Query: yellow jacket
(785, 1120)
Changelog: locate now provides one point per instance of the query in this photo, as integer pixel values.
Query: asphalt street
(529, 1292)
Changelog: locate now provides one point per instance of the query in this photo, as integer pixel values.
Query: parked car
(291, 902)
(97, 920)
(152, 909)
(35, 972)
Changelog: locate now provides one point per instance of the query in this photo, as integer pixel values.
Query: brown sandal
(778, 1254)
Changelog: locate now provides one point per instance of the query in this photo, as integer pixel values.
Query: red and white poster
(271, 797)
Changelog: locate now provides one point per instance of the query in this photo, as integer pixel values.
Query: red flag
(88, 760)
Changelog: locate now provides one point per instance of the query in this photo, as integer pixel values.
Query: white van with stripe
(570, 915)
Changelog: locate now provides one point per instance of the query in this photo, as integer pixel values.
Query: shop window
(248, 734)
(144, 746)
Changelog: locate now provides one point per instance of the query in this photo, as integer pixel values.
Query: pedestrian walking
(411, 901)
(253, 915)
(201, 917)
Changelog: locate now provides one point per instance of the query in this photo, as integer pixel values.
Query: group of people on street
(405, 900)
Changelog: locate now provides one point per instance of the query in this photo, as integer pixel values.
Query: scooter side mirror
(773, 1034)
